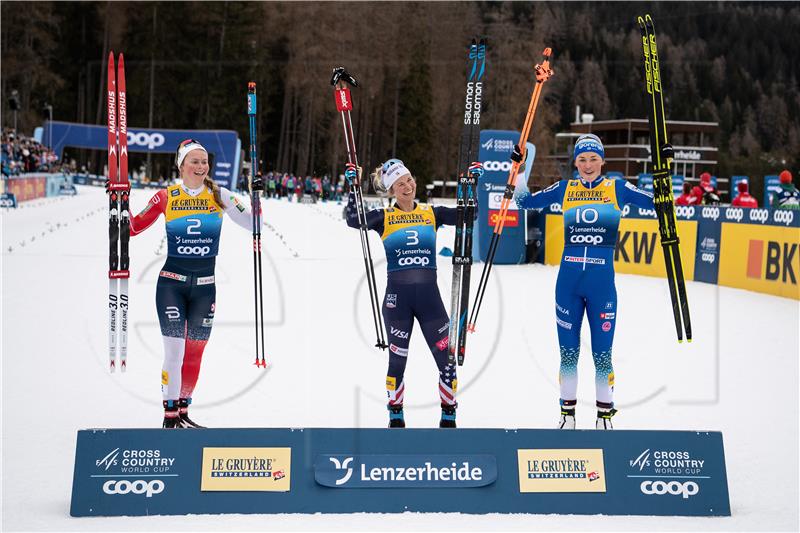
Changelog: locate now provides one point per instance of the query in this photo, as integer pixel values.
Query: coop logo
(194, 250)
(676, 488)
(626, 210)
(556, 208)
(783, 216)
(586, 239)
(139, 487)
(404, 471)
(710, 212)
(734, 213)
(779, 264)
(497, 166)
(684, 211)
(149, 140)
(410, 261)
(708, 257)
(758, 215)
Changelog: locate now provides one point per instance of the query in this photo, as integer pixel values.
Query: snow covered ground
(739, 376)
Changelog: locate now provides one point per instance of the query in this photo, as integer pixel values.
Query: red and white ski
(118, 214)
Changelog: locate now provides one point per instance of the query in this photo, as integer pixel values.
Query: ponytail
(377, 182)
(211, 184)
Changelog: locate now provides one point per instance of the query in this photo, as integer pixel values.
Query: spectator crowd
(20, 154)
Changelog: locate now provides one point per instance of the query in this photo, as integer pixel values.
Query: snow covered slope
(739, 376)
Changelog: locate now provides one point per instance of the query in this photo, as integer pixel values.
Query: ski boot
(183, 414)
(567, 420)
(448, 419)
(604, 413)
(171, 416)
(396, 419)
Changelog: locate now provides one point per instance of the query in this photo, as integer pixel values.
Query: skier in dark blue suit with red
(592, 207)
(408, 230)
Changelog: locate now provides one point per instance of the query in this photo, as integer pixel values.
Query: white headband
(183, 151)
(393, 173)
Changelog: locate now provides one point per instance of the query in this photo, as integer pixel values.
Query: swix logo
(781, 259)
(644, 244)
(109, 460)
(142, 138)
(343, 100)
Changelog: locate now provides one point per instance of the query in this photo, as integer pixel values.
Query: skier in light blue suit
(592, 206)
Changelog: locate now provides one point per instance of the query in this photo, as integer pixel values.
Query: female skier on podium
(592, 206)
(186, 290)
(408, 230)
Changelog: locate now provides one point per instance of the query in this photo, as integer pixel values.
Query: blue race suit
(409, 239)
(586, 277)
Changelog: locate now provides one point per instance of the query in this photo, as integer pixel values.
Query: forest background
(188, 64)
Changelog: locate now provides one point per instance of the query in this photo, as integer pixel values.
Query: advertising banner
(135, 472)
(27, 187)
(495, 152)
(223, 145)
(762, 257)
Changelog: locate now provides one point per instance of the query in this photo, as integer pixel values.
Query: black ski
(468, 173)
(662, 153)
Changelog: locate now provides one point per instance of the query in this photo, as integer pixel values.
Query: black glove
(257, 184)
(516, 154)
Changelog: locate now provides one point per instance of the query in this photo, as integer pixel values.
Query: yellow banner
(246, 469)
(638, 250)
(760, 258)
(580, 470)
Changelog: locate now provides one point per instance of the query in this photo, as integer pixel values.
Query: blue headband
(588, 143)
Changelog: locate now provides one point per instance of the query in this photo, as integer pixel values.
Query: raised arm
(554, 194)
(156, 206)
(627, 193)
(374, 217)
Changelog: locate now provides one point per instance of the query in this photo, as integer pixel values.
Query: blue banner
(772, 186)
(645, 182)
(7, 199)
(150, 471)
(495, 152)
(223, 145)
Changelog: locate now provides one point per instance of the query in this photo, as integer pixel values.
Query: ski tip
(688, 339)
(648, 20)
(471, 328)
(547, 52)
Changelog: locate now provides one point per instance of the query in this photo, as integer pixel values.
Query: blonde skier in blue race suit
(592, 206)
